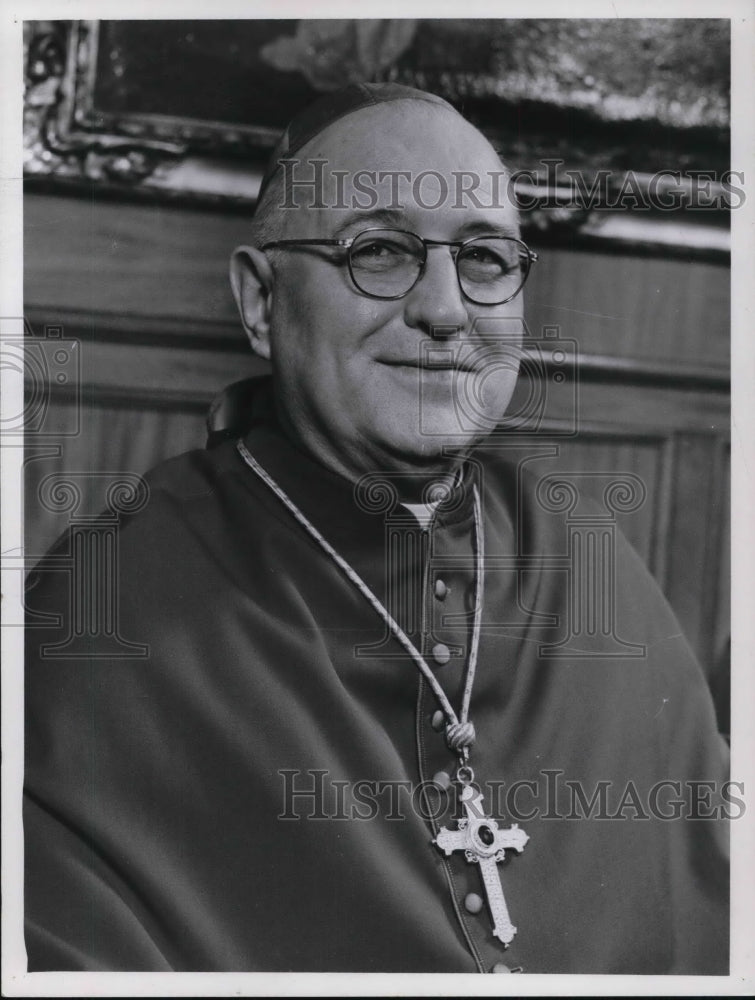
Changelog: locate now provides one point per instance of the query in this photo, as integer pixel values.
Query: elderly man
(347, 746)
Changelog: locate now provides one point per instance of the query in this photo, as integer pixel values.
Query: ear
(252, 284)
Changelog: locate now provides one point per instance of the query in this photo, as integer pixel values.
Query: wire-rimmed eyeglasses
(388, 263)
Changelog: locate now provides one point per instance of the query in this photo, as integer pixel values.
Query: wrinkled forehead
(406, 160)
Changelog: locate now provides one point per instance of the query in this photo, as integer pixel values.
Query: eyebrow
(485, 227)
(390, 217)
(396, 219)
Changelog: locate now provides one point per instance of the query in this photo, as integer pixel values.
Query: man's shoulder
(568, 524)
(191, 474)
(181, 490)
(187, 487)
(544, 500)
(194, 501)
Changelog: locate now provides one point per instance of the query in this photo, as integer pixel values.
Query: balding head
(390, 146)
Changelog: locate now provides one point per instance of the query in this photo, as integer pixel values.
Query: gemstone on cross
(485, 844)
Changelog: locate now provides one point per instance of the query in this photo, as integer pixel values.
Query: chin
(436, 438)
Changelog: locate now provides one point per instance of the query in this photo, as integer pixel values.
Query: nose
(436, 305)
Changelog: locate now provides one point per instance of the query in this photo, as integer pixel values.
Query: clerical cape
(252, 778)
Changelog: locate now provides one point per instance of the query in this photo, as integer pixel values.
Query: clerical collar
(425, 512)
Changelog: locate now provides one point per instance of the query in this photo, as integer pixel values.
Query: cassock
(248, 772)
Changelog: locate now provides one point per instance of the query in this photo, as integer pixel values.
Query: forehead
(424, 163)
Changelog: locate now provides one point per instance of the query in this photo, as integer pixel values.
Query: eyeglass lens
(387, 263)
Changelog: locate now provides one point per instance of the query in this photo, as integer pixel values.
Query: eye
(379, 253)
(375, 249)
(488, 257)
(481, 254)
(490, 260)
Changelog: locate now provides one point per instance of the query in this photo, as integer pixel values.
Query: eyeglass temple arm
(310, 243)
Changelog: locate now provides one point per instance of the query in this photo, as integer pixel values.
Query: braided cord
(459, 731)
(479, 592)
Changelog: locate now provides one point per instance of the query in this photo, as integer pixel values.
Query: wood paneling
(633, 307)
(137, 260)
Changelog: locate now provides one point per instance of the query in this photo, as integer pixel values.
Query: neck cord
(460, 733)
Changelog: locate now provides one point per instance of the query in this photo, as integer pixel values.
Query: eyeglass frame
(530, 256)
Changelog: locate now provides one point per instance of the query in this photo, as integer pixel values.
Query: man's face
(383, 382)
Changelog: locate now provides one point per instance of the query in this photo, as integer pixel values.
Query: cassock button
(473, 903)
(441, 653)
(442, 778)
(500, 967)
(440, 590)
(438, 721)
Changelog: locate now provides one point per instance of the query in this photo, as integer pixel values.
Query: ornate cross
(484, 844)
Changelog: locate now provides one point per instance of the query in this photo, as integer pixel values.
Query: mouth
(416, 365)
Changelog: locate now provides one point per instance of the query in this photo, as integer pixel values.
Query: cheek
(318, 319)
(294, 302)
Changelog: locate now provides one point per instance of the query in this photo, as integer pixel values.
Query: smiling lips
(426, 366)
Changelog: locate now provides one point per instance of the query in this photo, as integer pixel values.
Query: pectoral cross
(485, 844)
